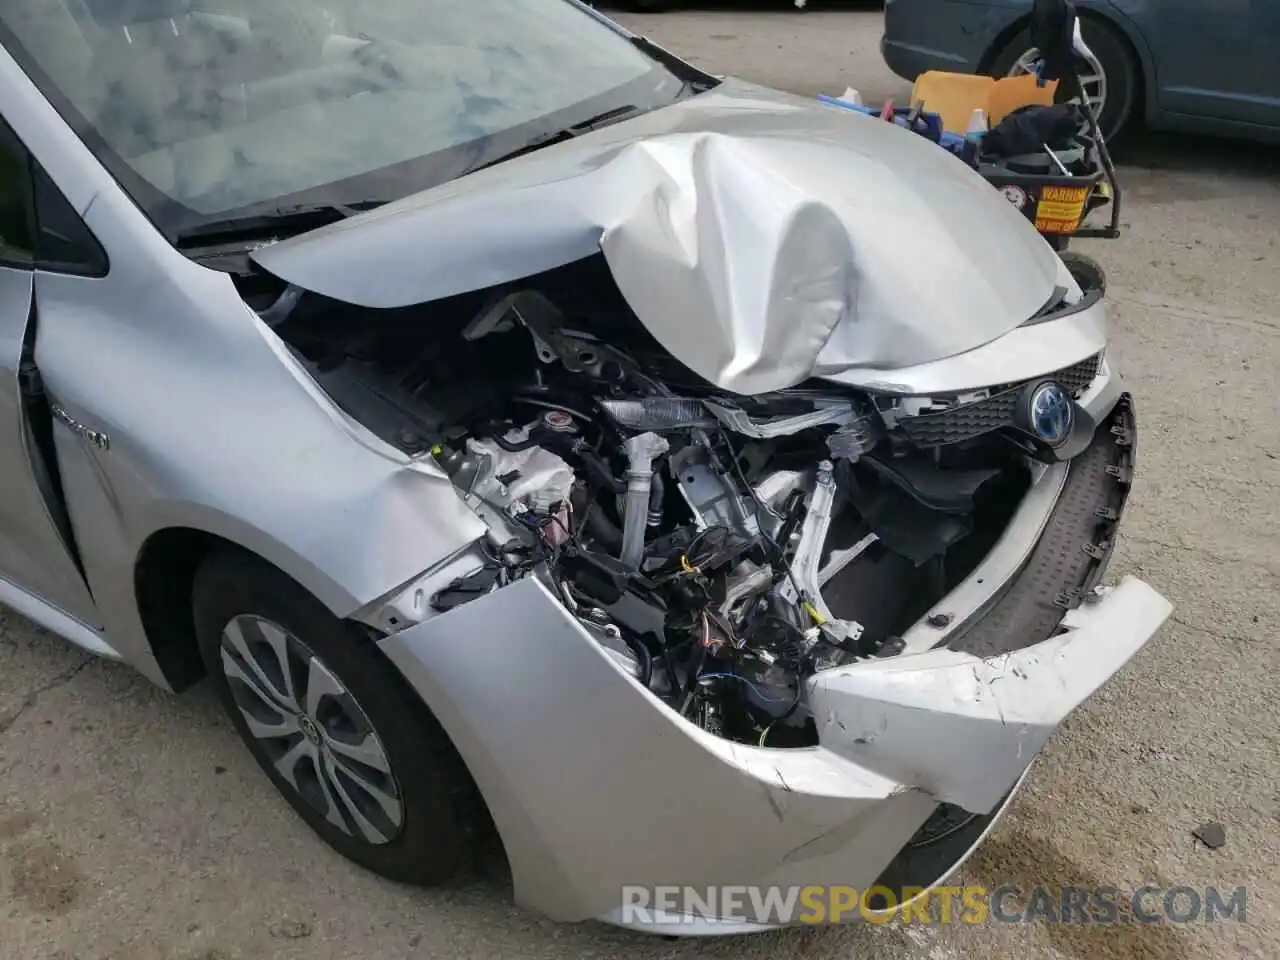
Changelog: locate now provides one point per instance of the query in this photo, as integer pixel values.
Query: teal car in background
(1198, 66)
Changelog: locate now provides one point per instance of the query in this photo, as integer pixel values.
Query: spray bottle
(973, 136)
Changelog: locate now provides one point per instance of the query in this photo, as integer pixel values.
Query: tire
(1119, 66)
(371, 708)
(1087, 271)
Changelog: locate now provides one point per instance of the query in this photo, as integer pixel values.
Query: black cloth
(1030, 129)
(1052, 32)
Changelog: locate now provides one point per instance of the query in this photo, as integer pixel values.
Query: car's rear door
(1214, 58)
(37, 553)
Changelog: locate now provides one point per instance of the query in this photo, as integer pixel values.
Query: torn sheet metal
(580, 822)
(760, 237)
(739, 421)
(964, 728)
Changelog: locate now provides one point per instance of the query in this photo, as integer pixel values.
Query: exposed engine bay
(694, 532)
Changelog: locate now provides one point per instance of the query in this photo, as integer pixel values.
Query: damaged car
(527, 432)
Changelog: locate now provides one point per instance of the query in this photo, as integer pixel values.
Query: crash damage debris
(686, 526)
(1212, 834)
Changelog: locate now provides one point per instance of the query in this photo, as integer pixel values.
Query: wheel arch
(998, 44)
(163, 577)
(166, 573)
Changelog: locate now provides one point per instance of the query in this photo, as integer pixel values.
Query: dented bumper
(595, 784)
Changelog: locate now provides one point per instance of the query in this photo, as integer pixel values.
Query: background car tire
(1118, 63)
(442, 814)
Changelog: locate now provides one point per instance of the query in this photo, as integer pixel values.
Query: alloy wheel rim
(1093, 77)
(313, 731)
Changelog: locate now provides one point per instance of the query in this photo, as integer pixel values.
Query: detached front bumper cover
(963, 728)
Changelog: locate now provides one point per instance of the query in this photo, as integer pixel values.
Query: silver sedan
(524, 430)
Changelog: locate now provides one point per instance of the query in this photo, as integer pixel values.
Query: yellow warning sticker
(1065, 194)
(1060, 209)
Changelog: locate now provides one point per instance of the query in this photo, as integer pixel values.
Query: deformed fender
(595, 784)
(962, 727)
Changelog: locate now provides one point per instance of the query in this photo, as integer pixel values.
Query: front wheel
(333, 724)
(1111, 80)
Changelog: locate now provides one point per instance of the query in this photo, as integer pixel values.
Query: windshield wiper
(270, 223)
(694, 80)
(604, 119)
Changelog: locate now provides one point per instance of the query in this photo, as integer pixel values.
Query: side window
(63, 243)
(38, 227)
(17, 247)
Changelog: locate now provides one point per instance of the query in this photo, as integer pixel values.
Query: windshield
(208, 108)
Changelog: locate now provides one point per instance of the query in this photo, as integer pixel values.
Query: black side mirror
(1053, 24)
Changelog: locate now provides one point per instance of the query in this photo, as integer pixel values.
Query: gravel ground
(132, 824)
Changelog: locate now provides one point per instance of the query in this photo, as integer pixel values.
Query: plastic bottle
(973, 136)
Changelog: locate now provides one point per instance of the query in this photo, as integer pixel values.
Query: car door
(37, 549)
(1214, 58)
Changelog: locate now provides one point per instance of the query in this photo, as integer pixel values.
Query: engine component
(657, 494)
(739, 421)
(802, 586)
(531, 309)
(531, 478)
(559, 421)
(641, 451)
(632, 657)
(468, 588)
(779, 492)
(714, 501)
(659, 414)
(747, 580)
(860, 435)
(710, 599)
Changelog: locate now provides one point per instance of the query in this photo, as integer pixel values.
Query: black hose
(643, 655)
(600, 471)
(695, 671)
(672, 677)
(657, 493)
(601, 528)
(514, 446)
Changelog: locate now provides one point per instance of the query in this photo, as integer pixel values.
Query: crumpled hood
(761, 238)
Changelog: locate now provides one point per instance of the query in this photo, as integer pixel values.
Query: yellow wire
(812, 611)
(764, 734)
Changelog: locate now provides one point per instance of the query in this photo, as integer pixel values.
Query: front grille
(969, 420)
(1078, 376)
(963, 422)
